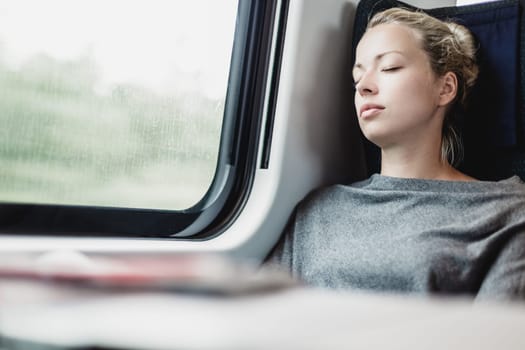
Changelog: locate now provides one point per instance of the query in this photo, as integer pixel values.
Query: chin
(377, 138)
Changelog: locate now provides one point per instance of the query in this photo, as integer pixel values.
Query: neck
(419, 162)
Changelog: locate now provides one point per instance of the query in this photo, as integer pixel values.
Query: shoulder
(512, 183)
(511, 189)
(319, 199)
(329, 198)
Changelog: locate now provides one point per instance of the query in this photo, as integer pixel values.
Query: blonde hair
(450, 47)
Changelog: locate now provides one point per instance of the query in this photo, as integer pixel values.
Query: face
(397, 95)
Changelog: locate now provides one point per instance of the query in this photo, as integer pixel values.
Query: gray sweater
(411, 235)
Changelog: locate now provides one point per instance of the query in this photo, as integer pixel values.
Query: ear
(448, 89)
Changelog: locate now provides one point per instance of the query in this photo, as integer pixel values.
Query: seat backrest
(493, 125)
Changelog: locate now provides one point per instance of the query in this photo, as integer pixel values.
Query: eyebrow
(377, 58)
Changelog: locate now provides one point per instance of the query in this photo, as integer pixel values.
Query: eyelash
(390, 69)
(386, 70)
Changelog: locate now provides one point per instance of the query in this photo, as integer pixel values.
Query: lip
(370, 109)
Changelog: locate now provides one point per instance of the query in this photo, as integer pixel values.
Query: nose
(367, 85)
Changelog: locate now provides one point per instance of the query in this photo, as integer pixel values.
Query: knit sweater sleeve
(283, 252)
(506, 277)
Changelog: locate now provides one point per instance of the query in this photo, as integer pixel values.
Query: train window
(125, 118)
(110, 106)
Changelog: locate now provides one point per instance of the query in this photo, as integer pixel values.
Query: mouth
(369, 110)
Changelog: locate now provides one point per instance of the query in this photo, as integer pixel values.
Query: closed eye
(391, 69)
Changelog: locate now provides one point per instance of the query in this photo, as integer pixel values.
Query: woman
(421, 225)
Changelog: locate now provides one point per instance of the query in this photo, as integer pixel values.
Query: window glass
(470, 2)
(112, 102)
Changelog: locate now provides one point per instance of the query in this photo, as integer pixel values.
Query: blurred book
(195, 273)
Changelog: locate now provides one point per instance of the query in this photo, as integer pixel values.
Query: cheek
(415, 93)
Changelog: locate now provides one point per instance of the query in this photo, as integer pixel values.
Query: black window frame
(236, 165)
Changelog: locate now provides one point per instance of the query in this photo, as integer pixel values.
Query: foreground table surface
(295, 318)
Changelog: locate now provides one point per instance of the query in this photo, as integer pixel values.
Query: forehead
(388, 37)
